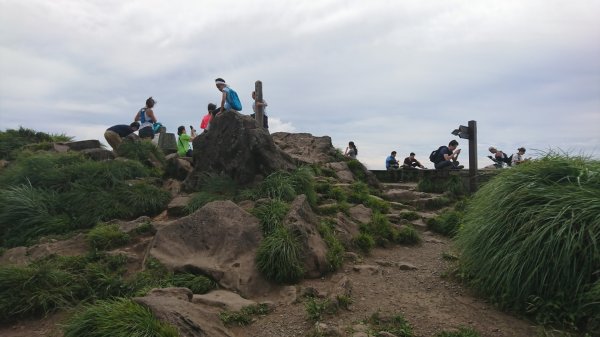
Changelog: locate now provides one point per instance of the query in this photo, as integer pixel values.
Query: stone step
(403, 195)
(409, 186)
(400, 206)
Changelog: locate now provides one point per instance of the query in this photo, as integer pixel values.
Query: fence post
(472, 156)
(260, 109)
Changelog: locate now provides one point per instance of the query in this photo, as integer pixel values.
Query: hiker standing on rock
(115, 134)
(229, 99)
(351, 150)
(146, 118)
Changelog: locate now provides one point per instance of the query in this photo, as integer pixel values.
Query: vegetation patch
(335, 249)
(245, 316)
(12, 141)
(407, 235)
(118, 318)
(198, 284)
(212, 188)
(279, 257)
(395, 324)
(452, 185)
(358, 170)
(462, 332)
(271, 215)
(106, 236)
(447, 223)
(45, 193)
(364, 242)
(143, 151)
(316, 308)
(286, 186)
(530, 240)
(410, 216)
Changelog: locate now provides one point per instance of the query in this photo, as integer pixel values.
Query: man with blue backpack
(229, 99)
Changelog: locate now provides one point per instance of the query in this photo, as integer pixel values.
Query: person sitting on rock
(205, 124)
(412, 162)
(447, 157)
(229, 98)
(351, 150)
(499, 158)
(391, 163)
(115, 134)
(518, 158)
(146, 118)
(183, 143)
(256, 105)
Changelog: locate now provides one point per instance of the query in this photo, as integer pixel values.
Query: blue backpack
(234, 100)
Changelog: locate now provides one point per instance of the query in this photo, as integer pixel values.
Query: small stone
(384, 263)
(406, 266)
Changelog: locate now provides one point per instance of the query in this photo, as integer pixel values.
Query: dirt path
(429, 302)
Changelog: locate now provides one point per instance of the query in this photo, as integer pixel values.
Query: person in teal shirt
(183, 143)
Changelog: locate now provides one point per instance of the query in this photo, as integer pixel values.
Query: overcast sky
(388, 75)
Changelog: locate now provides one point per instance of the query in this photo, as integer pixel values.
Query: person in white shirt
(518, 158)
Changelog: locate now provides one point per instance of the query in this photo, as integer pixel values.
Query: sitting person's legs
(446, 164)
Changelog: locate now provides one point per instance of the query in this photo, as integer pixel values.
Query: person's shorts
(146, 132)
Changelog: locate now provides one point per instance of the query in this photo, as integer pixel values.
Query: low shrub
(271, 215)
(396, 324)
(357, 169)
(335, 249)
(143, 151)
(359, 192)
(27, 291)
(12, 141)
(244, 316)
(364, 242)
(337, 193)
(447, 223)
(106, 236)
(316, 309)
(410, 216)
(529, 240)
(279, 257)
(462, 332)
(303, 180)
(118, 318)
(380, 229)
(198, 284)
(407, 235)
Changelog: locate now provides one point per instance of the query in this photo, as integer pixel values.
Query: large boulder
(174, 306)
(219, 240)
(302, 220)
(306, 147)
(237, 147)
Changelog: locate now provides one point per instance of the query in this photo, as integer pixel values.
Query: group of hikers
(147, 125)
(445, 157)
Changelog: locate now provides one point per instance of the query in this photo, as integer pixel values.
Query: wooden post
(473, 156)
(260, 109)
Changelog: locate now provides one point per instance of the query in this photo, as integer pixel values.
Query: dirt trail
(428, 301)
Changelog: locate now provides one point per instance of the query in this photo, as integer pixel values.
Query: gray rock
(236, 147)
(343, 172)
(84, 145)
(177, 206)
(366, 268)
(406, 266)
(306, 147)
(223, 299)
(361, 213)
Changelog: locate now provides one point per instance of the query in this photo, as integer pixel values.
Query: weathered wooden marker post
(260, 109)
(470, 133)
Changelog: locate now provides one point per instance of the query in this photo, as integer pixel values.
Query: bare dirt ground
(430, 302)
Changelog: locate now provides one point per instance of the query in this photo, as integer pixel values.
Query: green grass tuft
(271, 215)
(198, 284)
(395, 324)
(245, 316)
(410, 216)
(143, 151)
(531, 240)
(364, 242)
(279, 257)
(117, 318)
(106, 236)
(335, 249)
(407, 235)
(447, 223)
(12, 141)
(316, 309)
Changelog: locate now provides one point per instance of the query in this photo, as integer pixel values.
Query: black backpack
(435, 156)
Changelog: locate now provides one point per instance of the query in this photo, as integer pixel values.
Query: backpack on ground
(435, 155)
(234, 100)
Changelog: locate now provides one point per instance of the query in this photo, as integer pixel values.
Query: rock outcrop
(306, 147)
(237, 147)
(219, 240)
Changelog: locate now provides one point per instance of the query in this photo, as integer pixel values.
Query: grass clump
(198, 284)
(143, 151)
(407, 235)
(279, 257)
(106, 236)
(364, 242)
(357, 169)
(245, 316)
(462, 332)
(316, 309)
(447, 223)
(44, 193)
(360, 193)
(530, 240)
(271, 215)
(117, 318)
(335, 249)
(453, 185)
(212, 188)
(395, 324)
(410, 215)
(12, 141)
